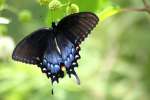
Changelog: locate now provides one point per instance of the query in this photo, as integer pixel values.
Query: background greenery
(115, 57)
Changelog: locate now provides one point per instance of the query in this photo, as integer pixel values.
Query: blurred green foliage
(115, 57)
(25, 16)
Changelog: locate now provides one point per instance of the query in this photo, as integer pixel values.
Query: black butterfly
(53, 48)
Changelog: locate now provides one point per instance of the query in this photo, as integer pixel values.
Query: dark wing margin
(31, 48)
(77, 26)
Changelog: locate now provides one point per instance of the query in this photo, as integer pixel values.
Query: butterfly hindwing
(77, 26)
(31, 48)
(69, 53)
(52, 61)
(67, 50)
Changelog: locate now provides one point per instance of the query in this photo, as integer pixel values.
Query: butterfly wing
(73, 29)
(77, 26)
(69, 53)
(52, 61)
(31, 48)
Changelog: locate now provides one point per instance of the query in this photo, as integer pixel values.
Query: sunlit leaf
(108, 12)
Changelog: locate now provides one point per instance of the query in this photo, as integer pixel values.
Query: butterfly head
(53, 25)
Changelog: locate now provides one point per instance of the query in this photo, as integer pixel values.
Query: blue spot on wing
(55, 68)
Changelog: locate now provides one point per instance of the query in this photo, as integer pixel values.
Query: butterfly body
(51, 49)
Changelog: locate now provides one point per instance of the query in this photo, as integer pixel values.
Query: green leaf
(108, 12)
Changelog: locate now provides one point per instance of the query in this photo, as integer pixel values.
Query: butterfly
(55, 48)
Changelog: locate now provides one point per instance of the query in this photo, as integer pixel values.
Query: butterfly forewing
(31, 48)
(77, 26)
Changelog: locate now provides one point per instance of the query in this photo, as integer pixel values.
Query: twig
(145, 9)
(134, 9)
(145, 3)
